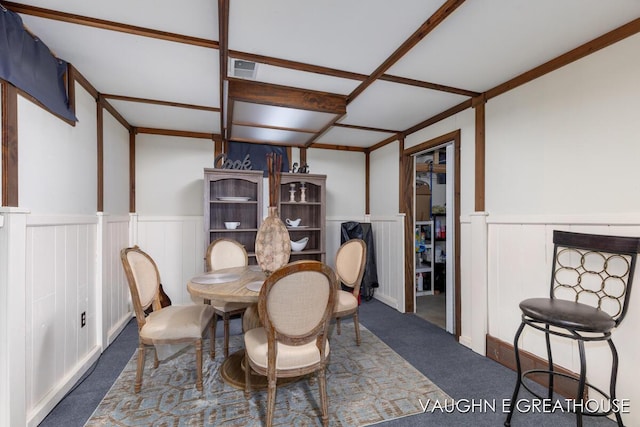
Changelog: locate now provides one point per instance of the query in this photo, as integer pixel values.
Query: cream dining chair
(225, 253)
(295, 306)
(169, 326)
(350, 262)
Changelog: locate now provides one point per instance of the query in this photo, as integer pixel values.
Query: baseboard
(504, 353)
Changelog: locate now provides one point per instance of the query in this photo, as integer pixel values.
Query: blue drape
(27, 63)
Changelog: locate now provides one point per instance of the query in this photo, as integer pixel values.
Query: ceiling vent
(243, 69)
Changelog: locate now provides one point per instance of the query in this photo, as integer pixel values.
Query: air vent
(243, 69)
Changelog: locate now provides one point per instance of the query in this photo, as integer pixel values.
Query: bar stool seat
(568, 315)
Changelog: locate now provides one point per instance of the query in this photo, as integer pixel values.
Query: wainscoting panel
(116, 299)
(388, 234)
(60, 284)
(177, 246)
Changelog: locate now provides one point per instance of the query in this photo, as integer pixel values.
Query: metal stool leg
(512, 404)
(614, 378)
(547, 337)
(581, 384)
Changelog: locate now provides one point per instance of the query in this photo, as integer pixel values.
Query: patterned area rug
(365, 385)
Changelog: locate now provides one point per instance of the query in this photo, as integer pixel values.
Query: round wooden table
(230, 285)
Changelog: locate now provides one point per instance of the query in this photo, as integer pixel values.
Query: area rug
(366, 384)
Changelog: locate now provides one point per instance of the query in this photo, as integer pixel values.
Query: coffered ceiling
(349, 74)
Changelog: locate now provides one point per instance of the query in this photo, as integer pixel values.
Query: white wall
(169, 174)
(57, 173)
(384, 180)
(115, 166)
(345, 172)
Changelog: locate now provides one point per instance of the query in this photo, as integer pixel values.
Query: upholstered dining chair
(172, 325)
(225, 253)
(591, 280)
(350, 262)
(295, 306)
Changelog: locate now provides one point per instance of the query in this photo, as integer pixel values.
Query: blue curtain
(27, 63)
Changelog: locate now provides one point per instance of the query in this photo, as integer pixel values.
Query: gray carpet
(462, 374)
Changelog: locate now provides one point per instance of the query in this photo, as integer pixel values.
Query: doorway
(443, 218)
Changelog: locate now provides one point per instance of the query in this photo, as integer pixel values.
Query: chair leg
(138, 384)
(199, 364)
(322, 380)
(212, 338)
(581, 384)
(213, 335)
(338, 325)
(271, 400)
(614, 378)
(226, 335)
(547, 337)
(512, 404)
(356, 324)
(156, 361)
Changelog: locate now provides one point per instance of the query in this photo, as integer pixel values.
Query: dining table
(235, 284)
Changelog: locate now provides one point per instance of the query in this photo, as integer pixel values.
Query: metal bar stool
(589, 295)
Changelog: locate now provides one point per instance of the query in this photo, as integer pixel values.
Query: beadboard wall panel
(388, 236)
(176, 244)
(60, 284)
(116, 299)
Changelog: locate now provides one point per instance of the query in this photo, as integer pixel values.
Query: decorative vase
(273, 246)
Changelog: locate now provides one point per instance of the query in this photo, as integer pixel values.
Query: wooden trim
(384, 142)
(25, 95)
(367, 183)
(100, 156)
(262, 126)
(504, 353)
(181, 133)
(158, 102)
(429, 25)
(480, 158)
(223, 60)
(108, 25)
(303, 156)
(580, 52)
(337, 147)
(285, 96)
(438, 117)
(110, 108)
(347, 126)
(9, 145)
(70, 84)
(82, 80)
(326, 71)
(325, 128)
(427, 85)
(407, 191)
(408, 203)
(132, 171)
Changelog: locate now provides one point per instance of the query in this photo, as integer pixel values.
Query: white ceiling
(482, 44)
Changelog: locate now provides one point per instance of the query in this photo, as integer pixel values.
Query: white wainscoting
(60, 283)
(519, 266)
(116, 309)
(176, 244)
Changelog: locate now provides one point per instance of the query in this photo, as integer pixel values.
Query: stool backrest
(593, 269)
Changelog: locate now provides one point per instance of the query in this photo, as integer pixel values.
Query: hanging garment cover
(355, 230)
(27, 63)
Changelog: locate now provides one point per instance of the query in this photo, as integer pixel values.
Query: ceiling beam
(285, 96)
(180, 133)
(434, 20)
(108, 25)
(159, 102)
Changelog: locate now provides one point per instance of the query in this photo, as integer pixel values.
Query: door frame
(408, 175)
